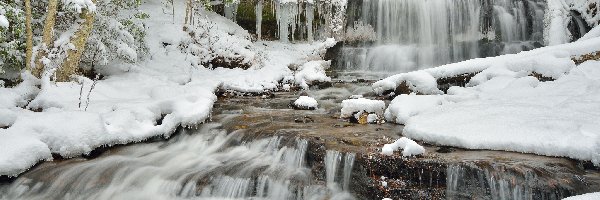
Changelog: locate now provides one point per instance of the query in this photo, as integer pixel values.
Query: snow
(558, 15)
(310, 72)
(410, 147)
(594, 33)
(503, 107)
(79, 5)
(151, 98)
(4, 22)
(351, 106)
(536, 60)
(306, 102)
(588, 196)
(405, 106)
(372, 118)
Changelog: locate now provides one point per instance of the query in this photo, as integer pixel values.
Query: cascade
(332, 161)
(210, 164)
(412, 35)
(348, 164)
(497, 182)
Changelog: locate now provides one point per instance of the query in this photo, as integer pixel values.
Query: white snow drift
(504, 107)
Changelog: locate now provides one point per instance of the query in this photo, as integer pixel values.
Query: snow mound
(410, 147)
(310, 72)
(306, 103)
(351, 106)
(405, 106)
(588, 196)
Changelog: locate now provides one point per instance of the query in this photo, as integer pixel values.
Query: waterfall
(498, 182)
(348, 164)
(333, 159)
(208, 164)
(418, 34)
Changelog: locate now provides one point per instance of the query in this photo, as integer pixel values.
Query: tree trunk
(46, 37)
(29, 33)
(70, 65)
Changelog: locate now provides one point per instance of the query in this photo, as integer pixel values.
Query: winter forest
(300, 99)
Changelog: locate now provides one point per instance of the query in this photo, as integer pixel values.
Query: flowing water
(198, 164)
(257, 149)
(412, 35)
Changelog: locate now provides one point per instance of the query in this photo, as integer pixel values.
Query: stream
(256, 147)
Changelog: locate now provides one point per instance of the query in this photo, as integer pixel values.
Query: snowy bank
(505, 107)
(134, 102)
(588, 196)
(551, 61)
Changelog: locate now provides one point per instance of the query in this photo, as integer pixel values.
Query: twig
(91, 88)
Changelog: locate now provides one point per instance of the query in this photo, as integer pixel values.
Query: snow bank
(405, 106)
(588, 196)
(594, 33)
(552, 61)
(518, 114)
(504, 107)
(135, 102)
(410, 147)
(305, 102)
(351, 106)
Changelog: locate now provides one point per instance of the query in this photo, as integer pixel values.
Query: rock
(304, 103)
(305, 119)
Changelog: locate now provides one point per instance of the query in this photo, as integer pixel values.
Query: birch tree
(29, 35)
(48, 33)
(71, 64)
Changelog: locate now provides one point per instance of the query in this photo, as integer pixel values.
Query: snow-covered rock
(305, 103)
(311, 72)
(504, 107)
(352, 106)
(408, 146)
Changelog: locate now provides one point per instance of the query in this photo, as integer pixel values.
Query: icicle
(309, 13)
(258, 11)
(231, 10)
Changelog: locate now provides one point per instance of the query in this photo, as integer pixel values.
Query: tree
(46, 37)
(29, 35)
(71, 64)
